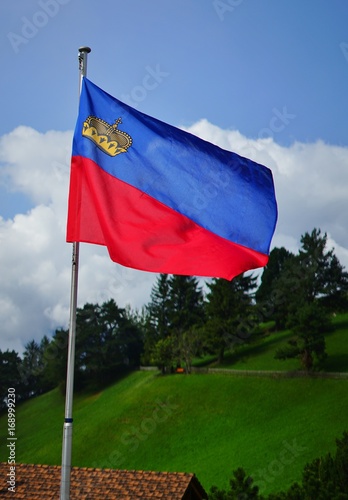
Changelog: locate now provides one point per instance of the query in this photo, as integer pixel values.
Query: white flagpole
(68, 420)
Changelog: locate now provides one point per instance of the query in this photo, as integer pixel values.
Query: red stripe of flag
(143, 233)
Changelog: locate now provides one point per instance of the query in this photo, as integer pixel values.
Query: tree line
(108, 342)
(299, 292)
(184, 320)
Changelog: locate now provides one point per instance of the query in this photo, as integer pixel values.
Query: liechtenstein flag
(163, 200)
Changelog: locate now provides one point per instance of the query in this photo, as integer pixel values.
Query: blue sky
(267, 79)
(230, 61)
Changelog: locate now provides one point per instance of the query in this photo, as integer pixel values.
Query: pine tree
(186, 314)
(228, 306)
(185, 303)
(156, 323)
(308, 323)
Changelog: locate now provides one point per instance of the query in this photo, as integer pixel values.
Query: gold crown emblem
(107, 137)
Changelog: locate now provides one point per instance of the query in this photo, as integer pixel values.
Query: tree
(107, 340)
(35, 367)
(272, 296)
(158, 308)
(327, 477)
(165, 354)
(186, 311)
(312, 282)
(156, 324)
(185, 303)
(45, 383)
(313, 274)
(55, 354)
(308, 324)
(228, 306)
(323, 275)
(32, 367)
(190, 345)
(271, 272)
(131, 337)
(242, 488)
(176, 307)
(10, 363)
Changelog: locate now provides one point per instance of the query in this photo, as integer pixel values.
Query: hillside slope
(207, 424)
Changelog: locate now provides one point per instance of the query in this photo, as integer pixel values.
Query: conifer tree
(156, 323)
(228, 305)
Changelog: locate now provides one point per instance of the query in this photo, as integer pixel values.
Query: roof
(37, 482)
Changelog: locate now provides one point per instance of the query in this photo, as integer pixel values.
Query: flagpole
(68, 420)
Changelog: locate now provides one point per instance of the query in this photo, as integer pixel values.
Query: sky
(263, 78)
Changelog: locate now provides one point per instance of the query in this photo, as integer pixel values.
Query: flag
(163, 200)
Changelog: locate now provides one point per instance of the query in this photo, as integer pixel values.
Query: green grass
(259, 354)
(337, 345)
(209, 424)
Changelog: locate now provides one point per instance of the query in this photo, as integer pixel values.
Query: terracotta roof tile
(42, 482)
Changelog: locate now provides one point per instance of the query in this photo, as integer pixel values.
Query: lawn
(208, 424)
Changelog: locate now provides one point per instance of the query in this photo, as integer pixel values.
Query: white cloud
(35, 262)
(37, 164)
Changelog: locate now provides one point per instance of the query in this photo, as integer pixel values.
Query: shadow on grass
(92, 387)
(336, 363)
(340, 322)
(205, 361)
(256, 348)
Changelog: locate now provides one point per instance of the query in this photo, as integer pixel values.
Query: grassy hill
(208, 423)
(259, 355)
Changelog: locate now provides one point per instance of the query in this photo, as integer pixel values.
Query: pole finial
(85, 49)
(83, 53)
